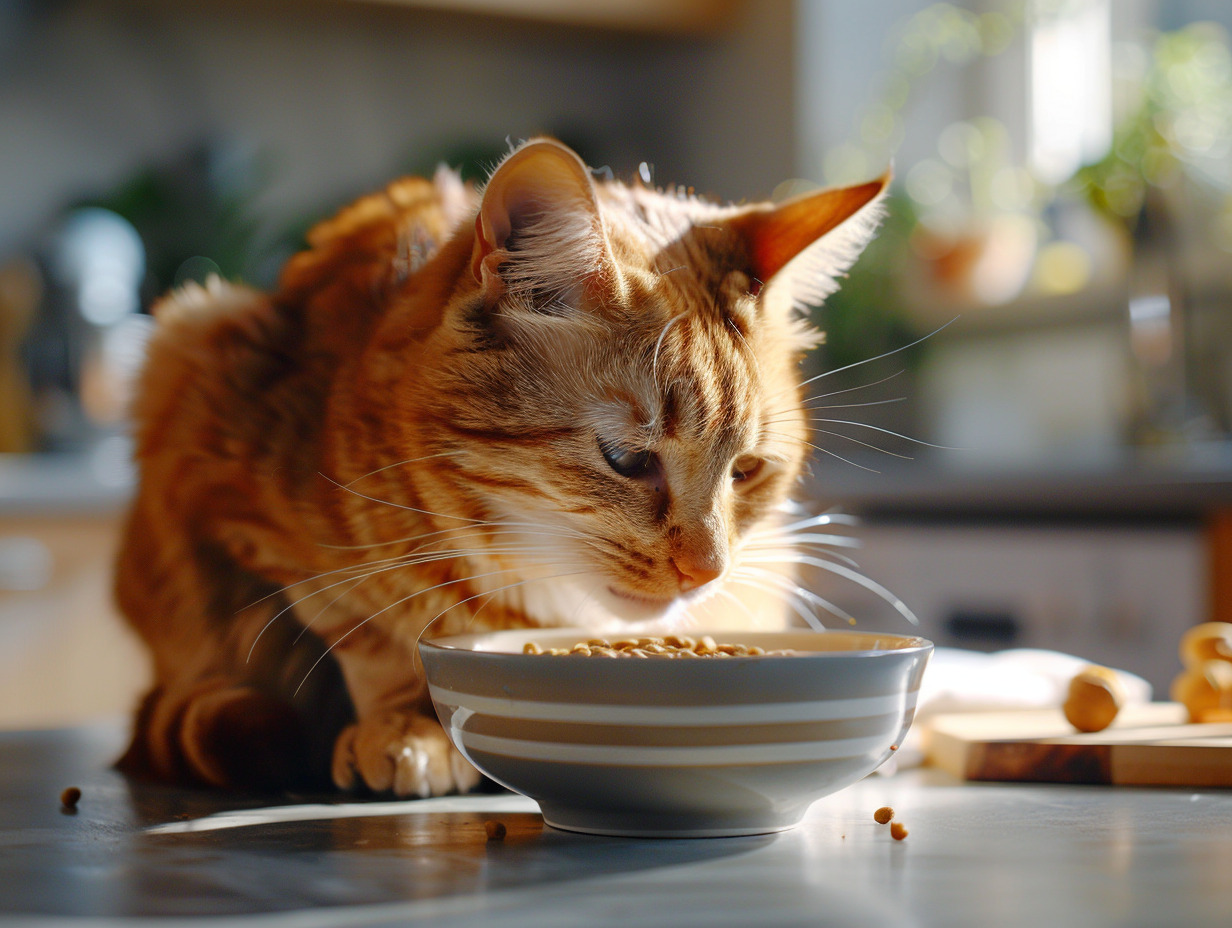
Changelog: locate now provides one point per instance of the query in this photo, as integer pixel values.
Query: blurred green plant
(195, 216)
(200, 214)
(868, 315)
(939, 33)
(1176, 121)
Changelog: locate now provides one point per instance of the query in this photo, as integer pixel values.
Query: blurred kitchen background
(1027, 390)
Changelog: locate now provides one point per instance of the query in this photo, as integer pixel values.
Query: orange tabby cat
(560, 401)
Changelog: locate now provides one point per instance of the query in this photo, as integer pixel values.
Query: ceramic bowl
(673, 747)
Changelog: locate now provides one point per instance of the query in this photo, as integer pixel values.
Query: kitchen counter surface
(976, 854)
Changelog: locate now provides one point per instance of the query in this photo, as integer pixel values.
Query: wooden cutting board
(1147, 745)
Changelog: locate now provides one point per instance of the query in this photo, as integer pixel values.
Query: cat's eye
(746, 467)
(628, 462)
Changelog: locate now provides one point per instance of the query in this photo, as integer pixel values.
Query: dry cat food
(1205, 690)
(885, 816)
(1096, 695)
(1209, 641)
(667, 646)
(1205, 685)
(70, 797)
(495, 830)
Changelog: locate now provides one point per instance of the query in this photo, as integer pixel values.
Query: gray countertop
(975, 855)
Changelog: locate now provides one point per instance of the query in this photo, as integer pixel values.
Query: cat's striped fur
(558, 401)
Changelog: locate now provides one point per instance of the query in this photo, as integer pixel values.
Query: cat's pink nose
(695, 573)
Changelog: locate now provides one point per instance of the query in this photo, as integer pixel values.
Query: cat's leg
(218, 733)
(242, 717)
(396, 743)
(243, 697)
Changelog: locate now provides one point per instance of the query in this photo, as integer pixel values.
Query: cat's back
(381, 239)
(224, 351)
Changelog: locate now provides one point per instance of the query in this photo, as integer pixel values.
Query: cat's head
(615, 381)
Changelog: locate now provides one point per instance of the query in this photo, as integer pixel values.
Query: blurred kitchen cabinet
(1219, 546)
(65, 654)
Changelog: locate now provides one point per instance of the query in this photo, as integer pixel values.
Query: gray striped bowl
(674, 748)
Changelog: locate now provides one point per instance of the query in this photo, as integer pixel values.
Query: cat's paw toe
(344, 769)
(406, 754)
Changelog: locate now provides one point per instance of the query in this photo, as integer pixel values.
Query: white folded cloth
(958, 680)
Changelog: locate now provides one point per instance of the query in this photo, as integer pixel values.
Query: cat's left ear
(538, 226)
(808, 243)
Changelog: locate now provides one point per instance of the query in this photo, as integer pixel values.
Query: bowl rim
(906, 644)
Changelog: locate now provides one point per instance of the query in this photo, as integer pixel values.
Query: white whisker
(835, 454)
(865, 444)
(320, 612)
(863, 386)
(426, 457)
(877, 428)
(385, 502)
(786, 539)
(373, 568)
(766, 554)
(889, 402)
(885, 354)
(404, 599)
(855, 577)
(492, 593)
(790, 586)
(507, 528)
(810, 618)
(824, 518)
(587, 598)
(729, 595)
(654, 362)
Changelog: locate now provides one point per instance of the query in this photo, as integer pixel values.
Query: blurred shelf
(915, 491)
(1099, 305)
(1135, 493)
(655, 16)
(99, 481)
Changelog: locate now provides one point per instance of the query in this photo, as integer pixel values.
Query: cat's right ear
(805, 245)
(538, 226)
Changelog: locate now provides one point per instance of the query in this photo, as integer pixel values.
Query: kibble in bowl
(666, 745)
(654, 646)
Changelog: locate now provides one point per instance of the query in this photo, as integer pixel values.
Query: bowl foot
(651, 824)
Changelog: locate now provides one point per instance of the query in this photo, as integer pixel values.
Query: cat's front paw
(401, 752)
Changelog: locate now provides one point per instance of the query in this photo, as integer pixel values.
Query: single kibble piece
(1205, 690)
(70, 797)
(1209, 641)
(898, 831)
(495, 830)
(883, 815)
(1095, 697)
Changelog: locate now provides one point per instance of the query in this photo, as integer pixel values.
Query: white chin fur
(589, 603)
